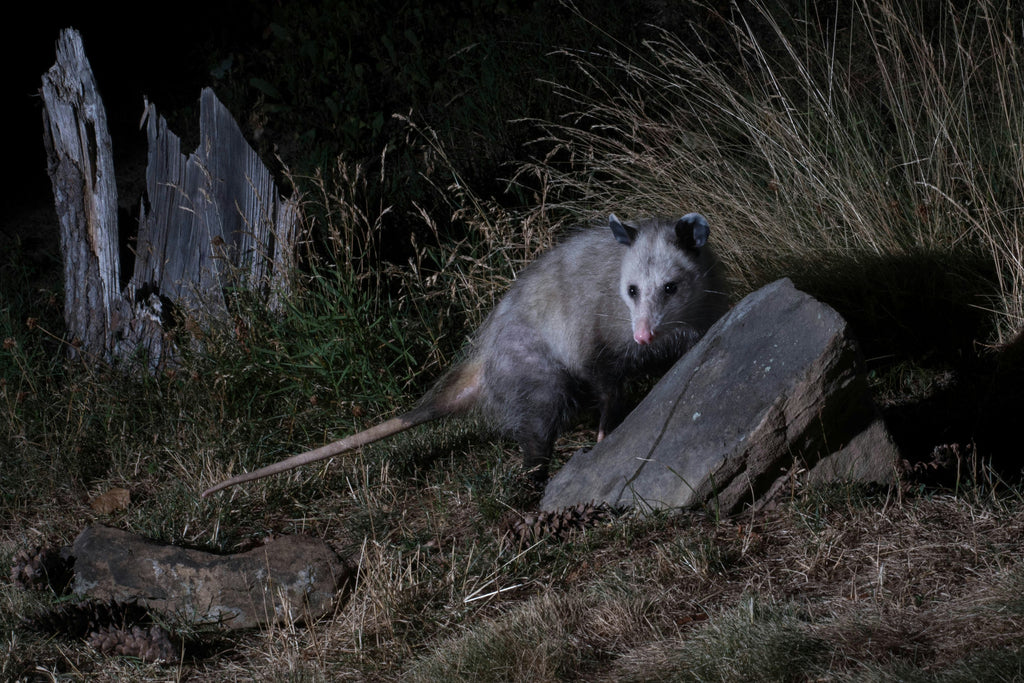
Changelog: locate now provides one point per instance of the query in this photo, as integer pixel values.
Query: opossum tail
(456, 393)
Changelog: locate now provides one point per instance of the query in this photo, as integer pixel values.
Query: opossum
(603, 305)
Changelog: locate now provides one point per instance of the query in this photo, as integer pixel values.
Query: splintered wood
(209, 221)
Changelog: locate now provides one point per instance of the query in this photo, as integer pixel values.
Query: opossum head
(661, 279)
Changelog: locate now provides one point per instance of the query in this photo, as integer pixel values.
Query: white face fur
(658, 273)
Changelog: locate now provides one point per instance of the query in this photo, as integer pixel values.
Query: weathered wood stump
(209, 221)
(81, 168)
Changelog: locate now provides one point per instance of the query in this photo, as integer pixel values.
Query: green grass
(878, 166)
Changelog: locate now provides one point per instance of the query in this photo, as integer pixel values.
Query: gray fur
(600, 307)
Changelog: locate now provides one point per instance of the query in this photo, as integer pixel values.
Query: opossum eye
(671, 288)
(633, 291)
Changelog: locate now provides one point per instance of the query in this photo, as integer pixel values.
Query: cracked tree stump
(209, 221)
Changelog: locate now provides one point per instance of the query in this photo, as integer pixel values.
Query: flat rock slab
(775, 387)
(294, 578)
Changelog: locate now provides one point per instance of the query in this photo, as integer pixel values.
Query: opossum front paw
(537, 476)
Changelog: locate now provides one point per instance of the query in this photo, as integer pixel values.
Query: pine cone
(151, 644)
(530, 527)
(944, 467)
(77, 620)
(41, 568)
(113, 628)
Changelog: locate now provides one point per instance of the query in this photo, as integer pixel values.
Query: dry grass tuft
(819, 147)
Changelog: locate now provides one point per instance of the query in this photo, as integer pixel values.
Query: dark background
(134, 54)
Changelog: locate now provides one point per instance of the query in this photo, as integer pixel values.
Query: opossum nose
(642, 333)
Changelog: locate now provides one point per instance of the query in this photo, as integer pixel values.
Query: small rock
(290, 578)
(113, 500)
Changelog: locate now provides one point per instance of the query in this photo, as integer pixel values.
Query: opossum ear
(692, 231)
(624, 234)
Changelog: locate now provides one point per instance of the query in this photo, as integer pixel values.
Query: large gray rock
(776, 385)
(291, 577)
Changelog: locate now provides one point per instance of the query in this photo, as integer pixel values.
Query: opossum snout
(642, 332)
